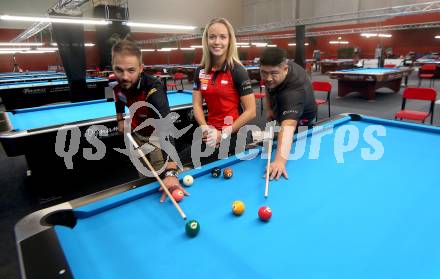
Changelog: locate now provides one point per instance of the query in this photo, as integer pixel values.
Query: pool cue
(269, 155)
(143, 156)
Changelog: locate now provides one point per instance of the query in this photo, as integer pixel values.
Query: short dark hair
(273, 56)
(127, 46)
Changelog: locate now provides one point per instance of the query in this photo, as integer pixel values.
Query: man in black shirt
(290, 101)
(133, 87)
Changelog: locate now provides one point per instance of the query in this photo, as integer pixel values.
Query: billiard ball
(227, 173)
(265, 213)
(215, 172)
(238, 207)
(188, 180)
(178, 195)
(192, 228)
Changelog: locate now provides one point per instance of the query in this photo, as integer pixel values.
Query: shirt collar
(224, 68)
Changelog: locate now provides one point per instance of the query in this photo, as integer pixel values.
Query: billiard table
(31, 78)
(367, 80)
(328, 65)
(337, 216)
(254, 72)
(32, 132)
(26, 74)
(36, 93)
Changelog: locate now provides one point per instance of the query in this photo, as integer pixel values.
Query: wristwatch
(171, 172)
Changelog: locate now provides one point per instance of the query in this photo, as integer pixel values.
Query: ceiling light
(56, 20)
(160, 26)
(385, 35)
(197, 46)
(37, 51)
(187, 48)
(294, 44)
(148, 49)
(85, 44)
(47, 49)
(368, 35)
(21, 44)
(7, 51)
(259, 44)
(14, 49)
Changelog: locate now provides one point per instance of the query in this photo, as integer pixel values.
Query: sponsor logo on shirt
(289, 111)
(246, 85)
(224, 82)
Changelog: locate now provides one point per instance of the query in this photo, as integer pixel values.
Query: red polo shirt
(221, 90)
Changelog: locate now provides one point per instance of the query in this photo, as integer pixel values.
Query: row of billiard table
(25, 94)
(368, 217)
(46, 90)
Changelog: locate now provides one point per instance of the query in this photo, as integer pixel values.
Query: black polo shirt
(294, 98)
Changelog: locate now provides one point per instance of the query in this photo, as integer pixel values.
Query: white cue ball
(188, 180)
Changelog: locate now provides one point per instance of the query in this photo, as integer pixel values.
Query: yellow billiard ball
(238, 207)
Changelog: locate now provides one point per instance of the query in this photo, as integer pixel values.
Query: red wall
(419, 40)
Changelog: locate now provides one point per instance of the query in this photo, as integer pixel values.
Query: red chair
(389, 66)
(427, 71)
(262, 86)
(180, 77)
(421, 94)
(322, 86)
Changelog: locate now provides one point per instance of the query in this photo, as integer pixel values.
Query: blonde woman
(223, 84)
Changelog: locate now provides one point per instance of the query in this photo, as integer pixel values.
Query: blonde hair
(231, 54)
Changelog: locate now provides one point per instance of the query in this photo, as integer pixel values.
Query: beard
(126, 85)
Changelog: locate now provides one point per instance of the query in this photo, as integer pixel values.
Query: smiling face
(218, 41)
(273, 75)
(127, 69)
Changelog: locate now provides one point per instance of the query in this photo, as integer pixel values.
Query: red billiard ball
(178, 195)
(265, 213)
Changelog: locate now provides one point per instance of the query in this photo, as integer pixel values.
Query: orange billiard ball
(227, 173)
